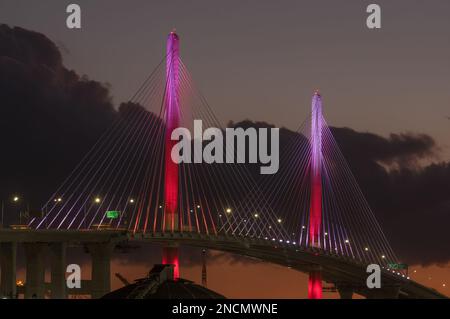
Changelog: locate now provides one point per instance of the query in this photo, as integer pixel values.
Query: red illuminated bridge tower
(172, 117)
(315, 214)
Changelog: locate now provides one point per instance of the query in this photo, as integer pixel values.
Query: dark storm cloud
(50, 115)
(411, 201)
(397, 148)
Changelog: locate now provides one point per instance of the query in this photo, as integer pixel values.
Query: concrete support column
(8, 254)
(101, 268)
(58, 270)
(345, 292)
(35, 267)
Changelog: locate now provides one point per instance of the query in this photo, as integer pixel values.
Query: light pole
(124, 217)
(97, 200)
(15, 199)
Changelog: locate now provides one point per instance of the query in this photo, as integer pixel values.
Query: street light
(97, 200)
(15, 200)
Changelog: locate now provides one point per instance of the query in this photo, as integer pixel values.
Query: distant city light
(228, 210)
(132, 201)
(198, 206)
(383, 256)
(256, 215)
(279, 220)
(347, 241)
(16, 198)
(97, 200)
(366, 249)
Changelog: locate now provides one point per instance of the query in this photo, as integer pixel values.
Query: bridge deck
(335, 269)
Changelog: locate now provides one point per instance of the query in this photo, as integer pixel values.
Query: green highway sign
(112, 214)
(398, 266)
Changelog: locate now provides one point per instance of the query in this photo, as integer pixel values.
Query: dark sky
(262, 60)
(270, 55)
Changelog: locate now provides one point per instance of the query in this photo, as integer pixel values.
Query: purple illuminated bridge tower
(172, 117)
(315, 213)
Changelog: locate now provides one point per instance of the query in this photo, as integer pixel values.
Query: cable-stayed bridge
(310, 216)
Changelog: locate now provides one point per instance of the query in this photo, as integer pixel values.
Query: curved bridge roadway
(346, 274)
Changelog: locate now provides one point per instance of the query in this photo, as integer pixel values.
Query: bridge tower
(315, 214)
(172, 119)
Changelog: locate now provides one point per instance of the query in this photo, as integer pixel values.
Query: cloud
(50, 115)
(404, 149)
(411, 201)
